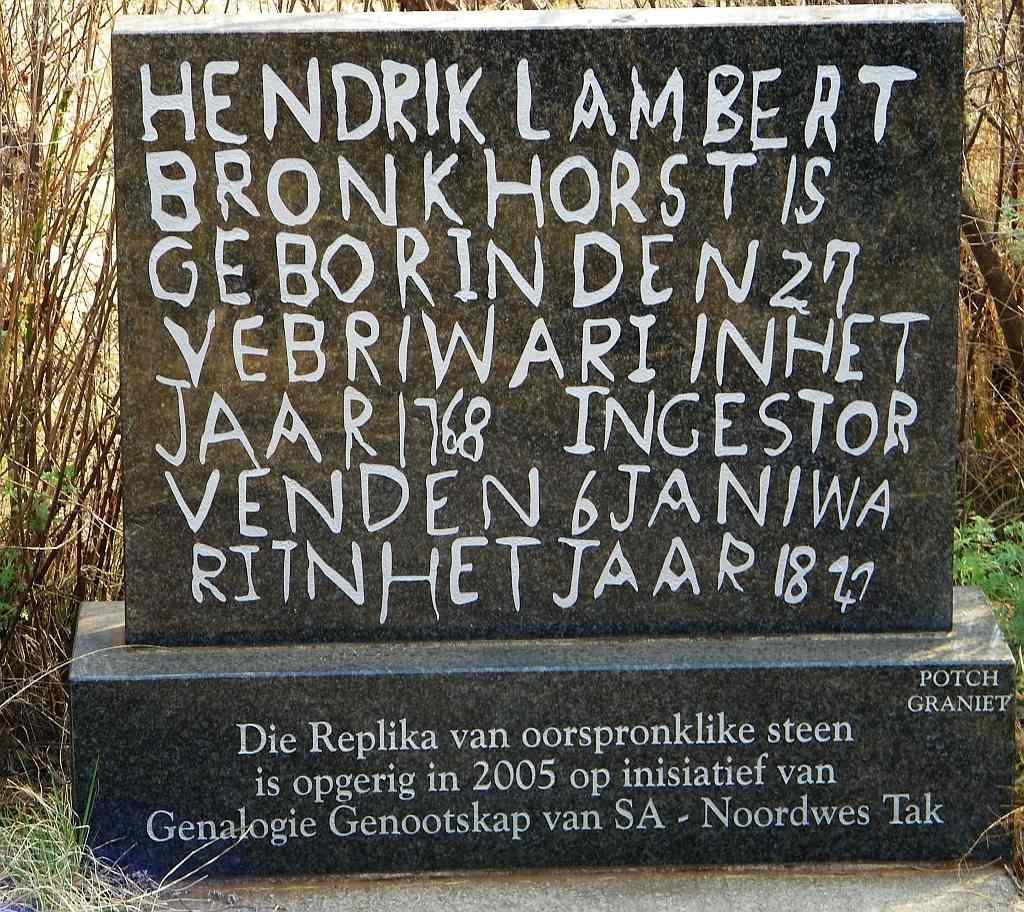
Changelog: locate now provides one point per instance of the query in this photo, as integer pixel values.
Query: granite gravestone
(519, 339)
(452, 333)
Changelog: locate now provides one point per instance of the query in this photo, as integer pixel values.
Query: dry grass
(60, 480)
(991, 365)
(59, 454)
(45, 865)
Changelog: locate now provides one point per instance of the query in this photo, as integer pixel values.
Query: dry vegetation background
(60, 493)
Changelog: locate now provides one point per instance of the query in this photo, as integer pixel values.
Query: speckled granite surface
(590, 752)
(884, 166)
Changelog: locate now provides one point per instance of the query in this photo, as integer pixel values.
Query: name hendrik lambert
(382, 100)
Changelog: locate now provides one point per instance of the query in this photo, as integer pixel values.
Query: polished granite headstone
(458, 327)
(461, 355)
(540, 753)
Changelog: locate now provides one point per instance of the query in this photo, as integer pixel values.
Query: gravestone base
(866, 887)
(347, 758)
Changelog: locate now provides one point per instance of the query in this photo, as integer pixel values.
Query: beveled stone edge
(700, 17)
(215, 892)
(100, 654)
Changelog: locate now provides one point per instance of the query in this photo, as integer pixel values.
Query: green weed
(992, 559)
